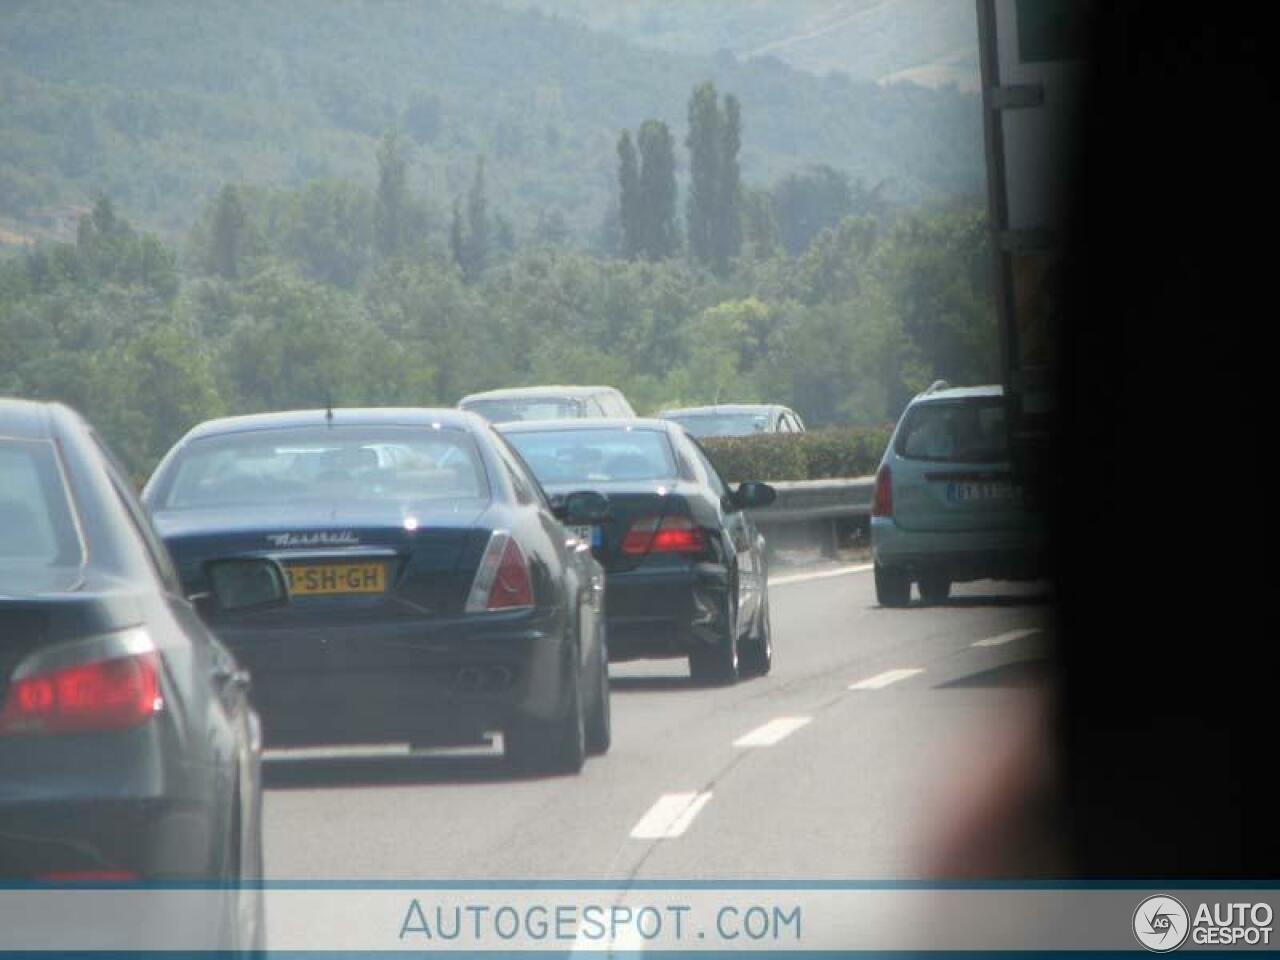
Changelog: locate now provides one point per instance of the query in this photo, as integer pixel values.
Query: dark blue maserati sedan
(435, 597)
(128, 748)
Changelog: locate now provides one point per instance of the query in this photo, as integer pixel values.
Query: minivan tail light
(503, 580)
(670, 534)
(882, 498)
(112, 694)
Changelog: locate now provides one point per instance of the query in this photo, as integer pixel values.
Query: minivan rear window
(531, 408)
(955, 431)
(37, 522)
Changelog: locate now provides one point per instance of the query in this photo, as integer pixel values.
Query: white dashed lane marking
(670, 816)
(882, 680)
(770, 733)
(1003, 638)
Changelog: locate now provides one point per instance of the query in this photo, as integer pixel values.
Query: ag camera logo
(1161, 923)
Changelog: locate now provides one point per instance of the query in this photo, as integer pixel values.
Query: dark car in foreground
(685, 563)
(736, 419)
(434, 596)
(128, 748)
(547, 403)
(946, 506)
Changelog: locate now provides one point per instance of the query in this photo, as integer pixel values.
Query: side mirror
(582, 508)
(243, 584)
(753, 495)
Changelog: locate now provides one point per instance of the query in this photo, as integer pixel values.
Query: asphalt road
(795, 775)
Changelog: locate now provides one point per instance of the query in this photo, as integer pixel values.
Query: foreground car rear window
(955, 431)
(331, 464)
(36, 517)
(505, 411)
(596, 455)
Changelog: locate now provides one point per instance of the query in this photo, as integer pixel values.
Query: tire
(718, 664)
(599, 729)
(757, 654)
(558, 747)
(893, 587)
(935, 589)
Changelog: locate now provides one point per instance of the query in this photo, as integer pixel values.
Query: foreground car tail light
(503, 581)
(112, 694)
(670, 534)
(882, 498)
(88, 876)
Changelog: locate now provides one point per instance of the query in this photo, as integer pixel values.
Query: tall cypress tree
(704, 142)
(658, 237)
(728, 230)
(477, 244)
(630, 208)
(391, 209)
(227, 231)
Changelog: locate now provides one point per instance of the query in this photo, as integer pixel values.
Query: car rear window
(596, 455)
(955, 431)
(536, 408)
(724, 424)
(37, 522)
(343, 464)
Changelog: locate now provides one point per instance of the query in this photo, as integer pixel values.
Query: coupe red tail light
(113, 694)
(88, 876)
(503, 581)
(670, 534)
(882, 498)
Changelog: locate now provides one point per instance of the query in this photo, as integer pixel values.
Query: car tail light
(503, 581)
(112, 694)
(670, 534)
(882, 498)
(88, 876)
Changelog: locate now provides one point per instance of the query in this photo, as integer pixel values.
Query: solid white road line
(770, 733)
(1003, 638)
(670, 816)
(882, 680)
(819, 575)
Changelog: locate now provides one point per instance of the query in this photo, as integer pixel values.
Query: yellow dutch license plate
(314, 580)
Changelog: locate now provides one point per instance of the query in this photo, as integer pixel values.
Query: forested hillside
(158, 103)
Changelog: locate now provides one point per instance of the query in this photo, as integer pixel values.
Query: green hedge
(816, 455)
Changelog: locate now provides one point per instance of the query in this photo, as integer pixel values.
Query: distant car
(685, 563)
(434, 595)
(736, 419)
(946, 507)
(129, 749)
(547, 403)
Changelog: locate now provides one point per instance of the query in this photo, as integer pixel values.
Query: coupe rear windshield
(341, 464)
(955, 431)
(724, 424)
(37, 523)
(596, 455)
(534, 408)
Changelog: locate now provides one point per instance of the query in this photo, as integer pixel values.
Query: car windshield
(723, 424)
(530, 408)
(37, 523)
(344, 463)
(596, 456)
(956, 431)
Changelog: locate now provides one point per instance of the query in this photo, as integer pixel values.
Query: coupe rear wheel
(558, 747)
(935, 589)
(757, 653)
(893, 587)
(719, 663)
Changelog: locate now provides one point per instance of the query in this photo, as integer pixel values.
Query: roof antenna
(328, 408)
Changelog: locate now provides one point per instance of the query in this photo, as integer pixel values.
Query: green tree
(228, 230)
(704, 141)
(391, 212)
(477, 240)
(630, 205)
(728, 221)
(658, 238)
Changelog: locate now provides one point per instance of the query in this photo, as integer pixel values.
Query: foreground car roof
(959, 393)
(366, 416)
(24, 419)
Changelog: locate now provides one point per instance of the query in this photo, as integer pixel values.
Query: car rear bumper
(425, 683)
(1011, 554)
(664, 611)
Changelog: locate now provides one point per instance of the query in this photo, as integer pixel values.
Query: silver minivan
(547, 403)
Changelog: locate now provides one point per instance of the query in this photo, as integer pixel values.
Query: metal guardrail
(821, 503)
